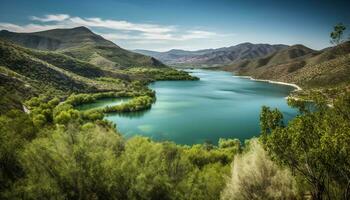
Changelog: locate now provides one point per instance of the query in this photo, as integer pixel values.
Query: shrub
(255, 176)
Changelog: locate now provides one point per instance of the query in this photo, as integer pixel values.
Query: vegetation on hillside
(66, 154)
(27, 73)
(85, 158)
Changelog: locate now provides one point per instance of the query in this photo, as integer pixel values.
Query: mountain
(46, 70)
(83, 44)
(327, 68)
(213, 57)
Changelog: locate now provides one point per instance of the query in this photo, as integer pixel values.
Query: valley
(82, 118)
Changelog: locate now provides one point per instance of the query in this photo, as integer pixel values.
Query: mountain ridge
(82, 43)
(213, 57)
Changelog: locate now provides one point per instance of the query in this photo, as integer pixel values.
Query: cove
(219, 105)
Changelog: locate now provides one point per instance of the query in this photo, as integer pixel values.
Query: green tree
(315, 145)
(153, 170)
(337, 34)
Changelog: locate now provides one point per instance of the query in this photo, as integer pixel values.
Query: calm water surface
(218, 106)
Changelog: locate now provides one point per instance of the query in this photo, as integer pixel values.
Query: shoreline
(297, 88)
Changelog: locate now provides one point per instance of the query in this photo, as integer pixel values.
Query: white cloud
(51, 18)
(118, 36)
(121, 25)
(197, 34)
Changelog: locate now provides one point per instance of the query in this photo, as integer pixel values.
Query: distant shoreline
(297, 88)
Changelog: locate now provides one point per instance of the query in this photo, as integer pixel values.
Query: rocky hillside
(328, 68)
(83, 44)
(214, 57)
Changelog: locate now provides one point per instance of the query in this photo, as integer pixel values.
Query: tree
(153, 170)
(315, 145)
(337, 34)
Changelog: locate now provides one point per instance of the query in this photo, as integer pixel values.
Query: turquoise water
(218, 106)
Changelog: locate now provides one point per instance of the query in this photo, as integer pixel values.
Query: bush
(255, 176)
(136, 104)
(16, 130)
(72, 164)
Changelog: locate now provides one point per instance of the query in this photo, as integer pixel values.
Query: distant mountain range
(213, 57)
(83, 44)
(327, 68)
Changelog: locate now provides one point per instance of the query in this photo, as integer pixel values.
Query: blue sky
(183, 24)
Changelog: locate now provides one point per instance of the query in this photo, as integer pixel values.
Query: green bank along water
(103, 103)
(218, 106)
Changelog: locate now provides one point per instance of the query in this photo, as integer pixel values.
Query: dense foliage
(314, 145)
(137, 104)
(75, 157)
(162, 73)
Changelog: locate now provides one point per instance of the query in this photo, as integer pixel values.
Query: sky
(162, 25)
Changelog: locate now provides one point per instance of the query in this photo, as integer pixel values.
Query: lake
(219, 105)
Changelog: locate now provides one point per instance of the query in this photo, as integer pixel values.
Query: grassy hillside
(325, 69)
(83, 44)
(23, 62)
(26, 73)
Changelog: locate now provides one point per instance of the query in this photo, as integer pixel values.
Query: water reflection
(130, 115)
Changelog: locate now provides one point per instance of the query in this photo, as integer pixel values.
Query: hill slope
(25, 73)
(83, 44)
(298, 64)
(214, 57)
